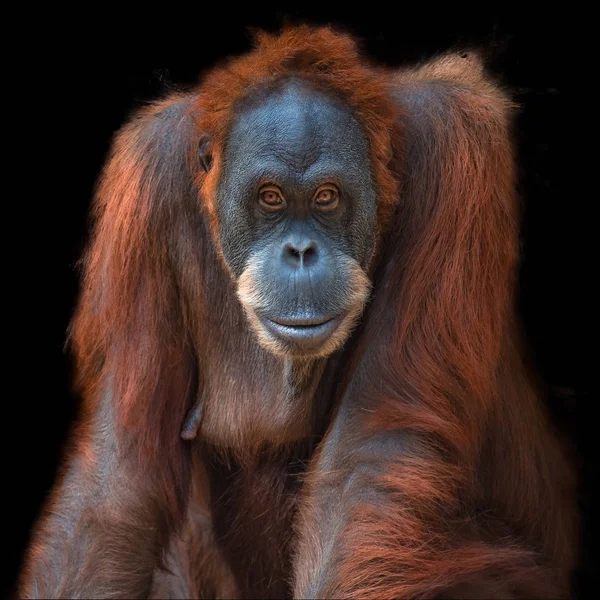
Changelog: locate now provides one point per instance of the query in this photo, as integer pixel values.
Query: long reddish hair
(134, 330)
(483, 490)
(438, 353)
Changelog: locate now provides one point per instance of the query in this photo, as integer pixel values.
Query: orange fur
(478, 499)
(436, 473)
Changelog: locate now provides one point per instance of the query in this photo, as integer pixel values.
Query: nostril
(293, 252)
(310, 255)
(301, 255)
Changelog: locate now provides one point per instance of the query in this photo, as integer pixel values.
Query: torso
(238, 539)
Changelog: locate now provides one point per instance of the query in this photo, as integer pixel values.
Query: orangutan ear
(205, 152)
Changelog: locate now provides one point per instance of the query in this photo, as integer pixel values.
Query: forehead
(297, 128)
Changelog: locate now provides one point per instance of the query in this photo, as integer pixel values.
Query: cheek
(235, 238)
(366, 250)
(241, 238)
(257, 284)
(358, 230)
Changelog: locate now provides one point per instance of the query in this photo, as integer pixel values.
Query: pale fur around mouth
(279, 338)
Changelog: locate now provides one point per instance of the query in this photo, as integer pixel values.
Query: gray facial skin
(301, 259)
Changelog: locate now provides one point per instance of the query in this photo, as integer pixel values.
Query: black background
(91, 70)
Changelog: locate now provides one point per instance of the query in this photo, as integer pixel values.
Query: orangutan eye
(271, 198)
(327, 198)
